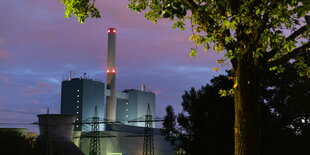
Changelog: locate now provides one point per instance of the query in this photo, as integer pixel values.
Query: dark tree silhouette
(14, 143)
(206, 123)
(286, 109)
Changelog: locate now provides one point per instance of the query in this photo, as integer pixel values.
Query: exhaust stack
(111, 74)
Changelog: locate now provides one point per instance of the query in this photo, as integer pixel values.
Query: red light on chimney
(113, 70)
(109, 30)
(114, 30)
(108, 71)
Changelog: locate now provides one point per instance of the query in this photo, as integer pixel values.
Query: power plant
(105, 118)
(96, 119)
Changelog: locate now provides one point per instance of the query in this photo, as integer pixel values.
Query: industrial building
(135, 106)
(58, 128)
(80, 96)
(128, 140)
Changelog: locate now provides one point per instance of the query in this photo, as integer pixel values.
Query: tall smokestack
(111, 73)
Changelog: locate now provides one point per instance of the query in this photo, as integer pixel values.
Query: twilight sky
(39, 47)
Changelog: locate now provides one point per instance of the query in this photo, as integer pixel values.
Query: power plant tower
(111, 73)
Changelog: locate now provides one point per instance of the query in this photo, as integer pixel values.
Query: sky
(39, 48)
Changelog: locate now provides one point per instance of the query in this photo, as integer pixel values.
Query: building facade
(128, 140)
(135, 106)
(79, 96)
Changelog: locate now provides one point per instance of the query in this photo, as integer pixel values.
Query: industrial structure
(81, 96)
(135, 106)
(58, 128)
(148, 142)
(111, 75)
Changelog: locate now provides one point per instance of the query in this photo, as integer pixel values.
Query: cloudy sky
(39, 47)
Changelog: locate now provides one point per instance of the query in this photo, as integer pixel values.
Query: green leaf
(257, 12)
(193, 53)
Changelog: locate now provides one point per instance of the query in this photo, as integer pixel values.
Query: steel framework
(94, 148)
(148, 142)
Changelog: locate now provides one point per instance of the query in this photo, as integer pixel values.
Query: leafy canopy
(82, 9)
(215, 135)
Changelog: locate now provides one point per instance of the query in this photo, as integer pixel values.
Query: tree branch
(264, 21)
(192, 4)
(297, 33)
(289, 56)
(292, 37)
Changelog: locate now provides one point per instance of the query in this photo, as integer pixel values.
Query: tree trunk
(247, 109)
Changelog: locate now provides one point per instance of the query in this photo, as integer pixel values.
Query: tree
(286, 112)
(205, 125)
(255, 35)
(285, 116)
(13, 143)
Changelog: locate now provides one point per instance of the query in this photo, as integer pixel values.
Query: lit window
(77, 90)
(77, 101)
(77, 119)
(77, 112)
(126, 115)
(127, 103)
(77, 106)
(77, 126)
(126, 109)
(77, 95)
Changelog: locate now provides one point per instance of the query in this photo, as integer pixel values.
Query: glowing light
(114, 30)
(109, 30)
(113, 70)
(108, 71)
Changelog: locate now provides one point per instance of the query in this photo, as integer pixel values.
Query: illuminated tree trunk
(247, 109)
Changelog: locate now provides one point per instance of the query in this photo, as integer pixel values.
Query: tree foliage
(286, 112)
(205, 125)
(285, 116)
(82, 9)
(13, 143)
